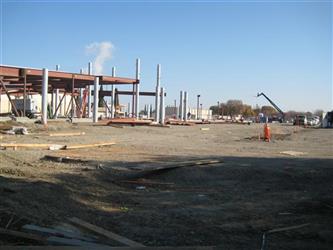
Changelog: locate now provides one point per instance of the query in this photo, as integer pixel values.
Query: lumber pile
(129, 121)
(180, 123)
(76, 234)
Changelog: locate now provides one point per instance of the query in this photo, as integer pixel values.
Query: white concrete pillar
(96, 93)
(137, 94)
(157, 95)
(162, 108)
(113, 94)
(181, 102)
(89, 90)
(45, 85)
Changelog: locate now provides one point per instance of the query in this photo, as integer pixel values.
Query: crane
(273, 104)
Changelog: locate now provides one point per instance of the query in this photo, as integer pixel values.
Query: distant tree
(214, 109)
(234, 107)
(268, 110)
(308, 114)
(290, 115)
(247, 111)
(318, 112)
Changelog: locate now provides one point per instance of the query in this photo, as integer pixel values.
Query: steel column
(25, 93)
(162, 111)
(185, 105)
(181, 102)
(89, 90)
(157, 96)
(113, 94)
(137, 98)
(96, 87)
(45, 84)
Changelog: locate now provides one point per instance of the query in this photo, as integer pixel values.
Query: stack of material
(181, 123)
(129, 121)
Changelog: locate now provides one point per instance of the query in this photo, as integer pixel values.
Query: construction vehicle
(281, 119)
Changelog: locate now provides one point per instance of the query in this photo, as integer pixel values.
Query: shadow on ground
(228, 204)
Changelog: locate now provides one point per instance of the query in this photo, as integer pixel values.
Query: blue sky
(220, 49)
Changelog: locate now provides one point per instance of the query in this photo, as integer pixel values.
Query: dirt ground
(231, 204)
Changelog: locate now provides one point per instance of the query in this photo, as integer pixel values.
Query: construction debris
(105, 233)
(53, 146)
(293, 153)
(276, 230)
(15, 130)
(204, 129)
(129, 121)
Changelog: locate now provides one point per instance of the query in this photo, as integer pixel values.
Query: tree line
(237, 107)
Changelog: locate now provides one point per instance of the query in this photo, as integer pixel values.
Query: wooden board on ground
(67, 134)
(105, 233)
(32, 145)
(53, 146)
(89, 145)
(182, 164)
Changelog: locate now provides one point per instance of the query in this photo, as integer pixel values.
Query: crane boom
(271, 102)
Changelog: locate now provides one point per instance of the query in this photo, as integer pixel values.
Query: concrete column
(89, 90)
(181, 102)
(96, 93)
(137, 94)
(113, 94)
(157, 95)
(185, 105)
(45, 85)
(162, 111)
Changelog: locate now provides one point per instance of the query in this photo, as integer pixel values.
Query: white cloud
(102, 52)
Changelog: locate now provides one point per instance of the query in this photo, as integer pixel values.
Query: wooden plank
(183, 164)
(59, 241)
(287, 228)
(105, 233)
(23, 235)
(48, 232)
(32, 145)
(141, 182)
(90, 145)
(67, 134)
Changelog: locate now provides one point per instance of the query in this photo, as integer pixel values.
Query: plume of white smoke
(102, 52)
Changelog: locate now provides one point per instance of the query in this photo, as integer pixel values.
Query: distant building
(172, 112)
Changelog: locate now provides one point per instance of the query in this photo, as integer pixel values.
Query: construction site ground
(258, 187)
